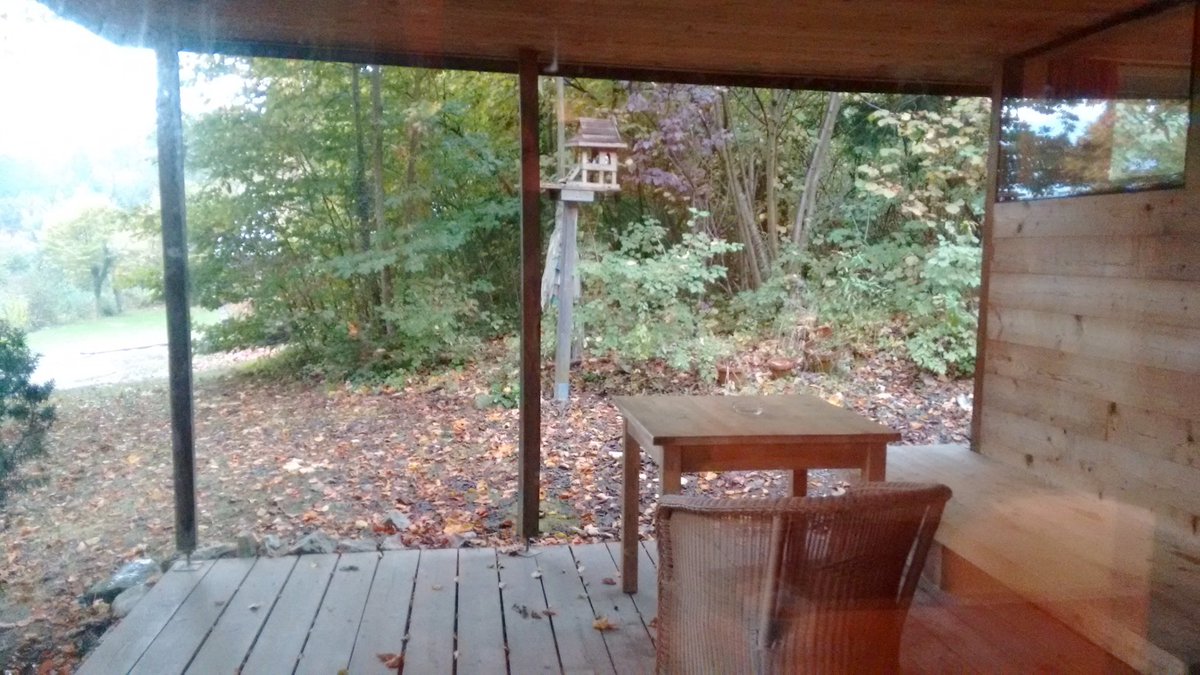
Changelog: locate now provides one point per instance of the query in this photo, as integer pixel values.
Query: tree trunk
(362, 198)
(97, 285)
(377, 195)
(742, 193)
(774, 125)
(808, 198)
(112, 281)
(100, 272)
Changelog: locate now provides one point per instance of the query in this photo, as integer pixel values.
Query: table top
(715, 420)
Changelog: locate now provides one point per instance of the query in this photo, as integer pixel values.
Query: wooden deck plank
(332, 636)
(385, 618)
(278, 646)
(178, 641)
(430, 647)
(923, 650)
(230, 640)
(124, 645)
(480, 632)
(629, 646)
(989, 653)
(943, 633)
(531, 646)
(646, 598)
(580, 646)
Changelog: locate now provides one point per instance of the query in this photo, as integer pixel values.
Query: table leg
(876, 463)
(797, 483)
(670, 481)
(630, 510)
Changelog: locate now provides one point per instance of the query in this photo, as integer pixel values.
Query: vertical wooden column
(529, 474)
(1007, 81)
(175, 292)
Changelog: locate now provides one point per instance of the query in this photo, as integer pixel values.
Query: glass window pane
(1106, 114)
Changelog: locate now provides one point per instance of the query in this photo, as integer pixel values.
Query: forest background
(368, 217)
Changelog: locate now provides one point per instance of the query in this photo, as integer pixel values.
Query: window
(1105, 114)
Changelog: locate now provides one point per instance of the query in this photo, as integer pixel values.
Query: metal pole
(529, 475)
(175, 291)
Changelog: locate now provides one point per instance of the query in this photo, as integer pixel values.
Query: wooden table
(738, 433)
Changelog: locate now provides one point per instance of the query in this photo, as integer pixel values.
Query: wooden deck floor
(474, 611)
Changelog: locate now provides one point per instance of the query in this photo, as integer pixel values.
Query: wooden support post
(566, 301)
(529, 475)
(175, 292)
(561, 130)
(1006, 80)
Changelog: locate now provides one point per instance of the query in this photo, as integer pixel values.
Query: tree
(103, 249)
(755, 159)
(376, 230)
(909, 245)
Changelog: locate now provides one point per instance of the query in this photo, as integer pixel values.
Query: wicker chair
(797, 585)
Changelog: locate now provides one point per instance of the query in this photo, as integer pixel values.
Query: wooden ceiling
(936, 46)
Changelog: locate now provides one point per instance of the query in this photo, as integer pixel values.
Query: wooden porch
(480, 611)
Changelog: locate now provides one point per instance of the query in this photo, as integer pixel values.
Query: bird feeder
(596, 147)
(594, 171)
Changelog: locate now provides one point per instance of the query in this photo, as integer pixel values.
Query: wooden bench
(1109, 570)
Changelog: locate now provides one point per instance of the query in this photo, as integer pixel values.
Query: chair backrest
(796, 585)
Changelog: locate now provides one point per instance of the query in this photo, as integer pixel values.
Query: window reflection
(1107, 114)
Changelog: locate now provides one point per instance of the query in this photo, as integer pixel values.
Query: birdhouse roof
(597, 133)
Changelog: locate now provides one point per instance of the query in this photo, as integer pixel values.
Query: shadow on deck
(476, 611)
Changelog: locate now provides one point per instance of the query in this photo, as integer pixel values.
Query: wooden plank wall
(1092, 376)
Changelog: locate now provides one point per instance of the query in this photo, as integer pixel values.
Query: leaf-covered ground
(287, 457)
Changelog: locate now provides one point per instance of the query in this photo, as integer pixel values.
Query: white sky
(64, 90)
(1087, 113)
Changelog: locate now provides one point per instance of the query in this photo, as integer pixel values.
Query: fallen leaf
(603, 624)
(608, 581)
(391, 661)
(454, 527)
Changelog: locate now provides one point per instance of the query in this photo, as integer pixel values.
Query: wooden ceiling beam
(919, 46)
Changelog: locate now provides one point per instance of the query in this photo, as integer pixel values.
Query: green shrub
(905, 249)
(647, 300)
(25, 414)
(775, 307)
(53, 300)
(862, 287)
(944, 308)
(240, 332)
(934, 291)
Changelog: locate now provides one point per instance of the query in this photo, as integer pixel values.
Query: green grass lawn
(135, 328)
